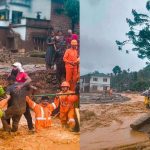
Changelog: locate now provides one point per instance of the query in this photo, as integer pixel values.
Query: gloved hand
(1, 113)
(2, 92)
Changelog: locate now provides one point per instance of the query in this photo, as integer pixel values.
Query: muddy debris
(102, 115)
(44, 81)
(96, 98)
(87, 115)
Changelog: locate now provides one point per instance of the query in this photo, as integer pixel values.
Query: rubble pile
(111, 99)
(6, 58)
(44, 81)
(101, 98)
(3, 81)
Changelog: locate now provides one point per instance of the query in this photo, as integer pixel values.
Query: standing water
(115, 135)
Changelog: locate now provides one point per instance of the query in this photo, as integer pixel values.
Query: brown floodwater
(115, 135)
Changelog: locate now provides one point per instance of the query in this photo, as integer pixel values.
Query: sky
(102, 23)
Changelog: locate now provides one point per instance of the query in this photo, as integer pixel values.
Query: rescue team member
(42, 111)
(71, 64)
(3, 104)
(147, 98)
(67, 110)
(24, 80)
(18, 105)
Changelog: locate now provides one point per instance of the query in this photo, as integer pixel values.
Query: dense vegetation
(134, 81)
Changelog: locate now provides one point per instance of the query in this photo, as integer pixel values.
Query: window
(39, 42)
(95, 79)
(104, 79)
(25, 3)
(2, 2)
(16, 17)
(4, 14)
(94, 88)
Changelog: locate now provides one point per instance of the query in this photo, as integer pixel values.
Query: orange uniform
(67, 110)
(71, 56)
(42, 114)
(3, 103)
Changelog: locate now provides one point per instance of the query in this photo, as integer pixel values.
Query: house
(94, 82)
(24, 23)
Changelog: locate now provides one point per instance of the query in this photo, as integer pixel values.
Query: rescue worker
(3, 104)
(24, 80)
(66, 103)
(71, 64)
(78, 69)
(18, 105)
(2, 92)
(42, 111)
(147, 98)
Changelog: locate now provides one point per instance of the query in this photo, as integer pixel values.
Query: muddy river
(114, 129)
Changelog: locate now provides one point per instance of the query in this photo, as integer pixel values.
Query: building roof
(95, 74)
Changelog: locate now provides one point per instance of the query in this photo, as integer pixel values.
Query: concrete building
(26, 23)
(94, 82)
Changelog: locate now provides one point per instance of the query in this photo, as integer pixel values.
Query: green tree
(134, 81)
(139, 34)
(72, 8)
(116, 70)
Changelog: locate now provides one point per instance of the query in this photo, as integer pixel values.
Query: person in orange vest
(66, 103)
(3, 104)
(71, 64)
(42, 111)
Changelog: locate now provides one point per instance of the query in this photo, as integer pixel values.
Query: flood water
(115, 135)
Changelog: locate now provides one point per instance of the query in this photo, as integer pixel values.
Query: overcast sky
(102, 22)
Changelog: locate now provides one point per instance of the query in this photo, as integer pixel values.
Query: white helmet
(19, 66)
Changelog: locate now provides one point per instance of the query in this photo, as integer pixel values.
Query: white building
(13, 10)
(94, 82)
(30, 19)
(16, 12)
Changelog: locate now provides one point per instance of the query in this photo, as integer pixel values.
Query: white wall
(100, 80)
(21, 31)
(2, 7)
(42, 5)
(36, 5)
(25, 11)
(99, 83)
(4, 23)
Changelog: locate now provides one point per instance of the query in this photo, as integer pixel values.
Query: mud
(94, 98)
(51, 138)
(109, 125)
(55, 137)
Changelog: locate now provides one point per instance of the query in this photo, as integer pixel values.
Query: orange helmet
(74, 42)
(65, 84)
